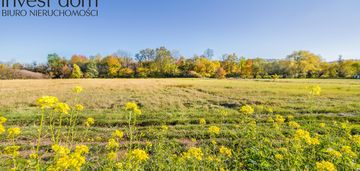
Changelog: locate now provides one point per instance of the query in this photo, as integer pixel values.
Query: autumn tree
(76, 72)
(113, 66)
(220, 73)
(56, 65)
(164, 63)
(230, 64)
(303, 64)
(206, 67)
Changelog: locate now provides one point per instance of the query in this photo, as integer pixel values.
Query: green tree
(91, 70)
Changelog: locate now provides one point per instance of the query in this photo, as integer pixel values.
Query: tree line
(162, 63)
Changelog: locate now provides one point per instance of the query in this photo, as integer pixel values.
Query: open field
(170, 125)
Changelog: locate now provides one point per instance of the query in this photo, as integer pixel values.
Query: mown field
(185, 124)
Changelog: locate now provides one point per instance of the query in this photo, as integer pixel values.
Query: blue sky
(251, 28)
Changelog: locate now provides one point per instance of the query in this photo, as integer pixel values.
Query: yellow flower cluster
(315, 90)
(47, 101)
(12, 150)
(202, 121)
(322, 125)
(112, 144)
(305, 135)
(2, 121)
(13, 132)
(225, 151)
(214, 130)
(355, 139)
(79, 107)
(89, 122)
(325, 166)
(112, 156)
(118, 134)
(247, 110)
(294, 124)
(138, 155)
(62, 108)
(193, 152)
(333, 153)
(60, 150)
(131, 106)
(66, 161)
(77, 89)
(348, 151)
(164, 127)
(279, 119)
(81, 149)
(224, 113)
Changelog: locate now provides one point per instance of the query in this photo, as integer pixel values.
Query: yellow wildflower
(224, 113)
(279, 119)
(2, 120)
(315, 90)
(2, 129)
(77, 160)
(322, 125)
(202, 121)
(112, 144)
(193, 152)
(13, 132)
(77, 89)
(305, 135)
(119, 165)
(225, 151)
(79, 107)
(137, 111)
(214, 130)
(89, 122)
(290, 117)
(138, 155)
(247, 110)
(294, 124)
(325, 166)
(347, 151)
(62, 108)
(164, 128)
(12, 150)
(47, 101)
(279, 157)
(355, 139)
(333, 153)
(213, 142)
(81, 149)
(118, 134)
(33, 156)
(112, 156)
(60, 150)
(131, 106)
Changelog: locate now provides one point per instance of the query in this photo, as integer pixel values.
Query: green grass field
(169, 124)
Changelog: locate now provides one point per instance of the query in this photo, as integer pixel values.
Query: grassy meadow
(185, 124)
